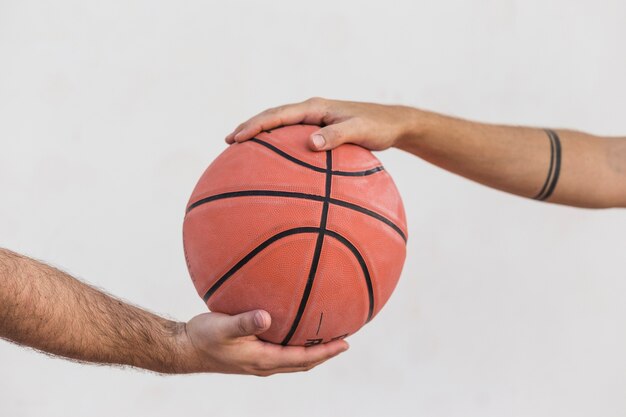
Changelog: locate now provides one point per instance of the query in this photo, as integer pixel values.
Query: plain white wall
(109, 112)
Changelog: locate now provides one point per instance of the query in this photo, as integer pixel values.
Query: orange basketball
(317, 239)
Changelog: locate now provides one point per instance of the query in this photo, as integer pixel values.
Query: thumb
(329, 137)
(246, 324)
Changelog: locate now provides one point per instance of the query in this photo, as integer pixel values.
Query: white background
(110, 111)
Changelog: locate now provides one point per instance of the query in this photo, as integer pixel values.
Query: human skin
(47, 309)
(576, 169)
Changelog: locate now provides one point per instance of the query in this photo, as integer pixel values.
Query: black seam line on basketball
(316, 168)
(319, 325)
(557, 163)
(253, 253)
(317, 253)
(361, 260)
(370, 213)
(359, 173)
(540, 194)
(288, 194)
(255, 193)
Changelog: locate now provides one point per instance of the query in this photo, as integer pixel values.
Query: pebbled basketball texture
(317, 239)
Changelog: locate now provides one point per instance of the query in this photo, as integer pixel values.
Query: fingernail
(259, 320)
(319, 141)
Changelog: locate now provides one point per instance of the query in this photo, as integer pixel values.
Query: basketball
(317, 239)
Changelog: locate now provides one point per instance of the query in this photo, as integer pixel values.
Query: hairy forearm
(589, 171)
(48, 310)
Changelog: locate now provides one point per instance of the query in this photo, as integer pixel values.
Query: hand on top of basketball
(214, 342)
(373, 126)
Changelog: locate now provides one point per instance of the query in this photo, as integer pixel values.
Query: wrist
(415, 126)
(185, 358)
(176, 354)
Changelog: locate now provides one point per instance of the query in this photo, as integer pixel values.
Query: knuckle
(242, 127)
(358, 123)
(330, 133)
(261, 374)
(358, 120)
(262, 364)
(315, 101)
(274, 110)
(241, 326)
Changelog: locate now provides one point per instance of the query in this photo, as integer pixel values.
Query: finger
(311, 112)
(244, 324)
(282, 116)
(304, 367)
(290, 370)
(297, 357)
(230, 139)
(330, 137)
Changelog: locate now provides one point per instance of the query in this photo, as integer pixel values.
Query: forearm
(591, 171)
(48, 310)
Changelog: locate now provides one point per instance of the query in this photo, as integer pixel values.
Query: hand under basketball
(373, 126)
(214, 342)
